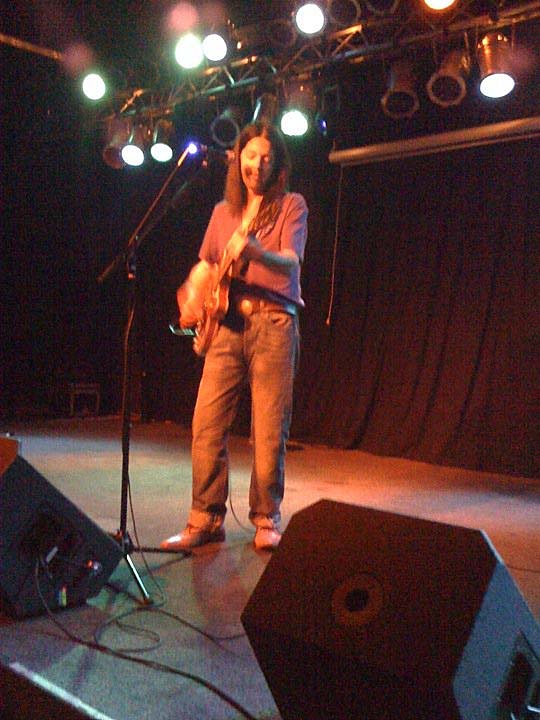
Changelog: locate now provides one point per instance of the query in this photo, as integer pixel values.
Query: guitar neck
(224, 267)
(227, 260)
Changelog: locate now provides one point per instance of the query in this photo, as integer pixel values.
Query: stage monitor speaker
(370, 615)
(26, 694)
(51, 554)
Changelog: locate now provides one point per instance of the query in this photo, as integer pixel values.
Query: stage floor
(191, 657)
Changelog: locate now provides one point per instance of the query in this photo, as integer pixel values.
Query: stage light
(382, 7)
(301, 103)
(117, 132)
(281, 33)
(225, 128)
(189, 52)
(439, 5)
(266, 108)
(447, 85)
(93, 86)
(294, 123)
(134, 150)
(401, 100)
(214, 47)
(344, 12)
(310, 18)
(161, 149)
(495, 64)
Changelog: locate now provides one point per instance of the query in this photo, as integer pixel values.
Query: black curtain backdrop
(432, 348)
(420, 334)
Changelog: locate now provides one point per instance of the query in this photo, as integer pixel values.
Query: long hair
(276, 185)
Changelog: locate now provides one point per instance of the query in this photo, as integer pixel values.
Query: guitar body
(214, 309)
(213, 306)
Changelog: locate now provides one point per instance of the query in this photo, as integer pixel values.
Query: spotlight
(134, 150)
(214, 47)
(266, 108)
(400, 100)
(117, 134)
(161, 149)
(225, 128)
(495, 63)
(344, 12)
(439, 5)
(310, 18)
(301, 103)
(93, 86)
(189, 52)
(382, 7)
(280, 34)
(294, 123)
(447, 85)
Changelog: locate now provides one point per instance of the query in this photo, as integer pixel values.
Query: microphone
(227, 156)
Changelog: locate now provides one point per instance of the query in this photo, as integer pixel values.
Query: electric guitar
(213, 308)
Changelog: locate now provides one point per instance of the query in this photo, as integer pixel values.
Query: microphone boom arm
(135, 240)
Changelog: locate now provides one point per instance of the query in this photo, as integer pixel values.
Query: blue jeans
(265, 353)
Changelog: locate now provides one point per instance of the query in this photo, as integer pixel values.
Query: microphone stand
(128, 258)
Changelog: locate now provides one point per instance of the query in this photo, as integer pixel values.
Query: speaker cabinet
(25, 694)
(51, 554)
(368, 614)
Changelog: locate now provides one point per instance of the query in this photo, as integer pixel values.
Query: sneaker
(266, 538)
(192, 537)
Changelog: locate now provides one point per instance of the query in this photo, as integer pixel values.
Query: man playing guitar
(243, 299)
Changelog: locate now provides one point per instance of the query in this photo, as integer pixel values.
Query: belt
(247, 306)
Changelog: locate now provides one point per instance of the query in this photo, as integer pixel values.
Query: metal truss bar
(346, 45)
(30, 47)
(520, 129)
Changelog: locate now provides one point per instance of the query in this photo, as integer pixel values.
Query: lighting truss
(239, 75)
(374, 37)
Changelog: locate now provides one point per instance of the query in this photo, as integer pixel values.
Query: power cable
(162, 667)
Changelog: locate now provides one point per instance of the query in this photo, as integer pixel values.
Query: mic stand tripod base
(187, 553)
(126, 545)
